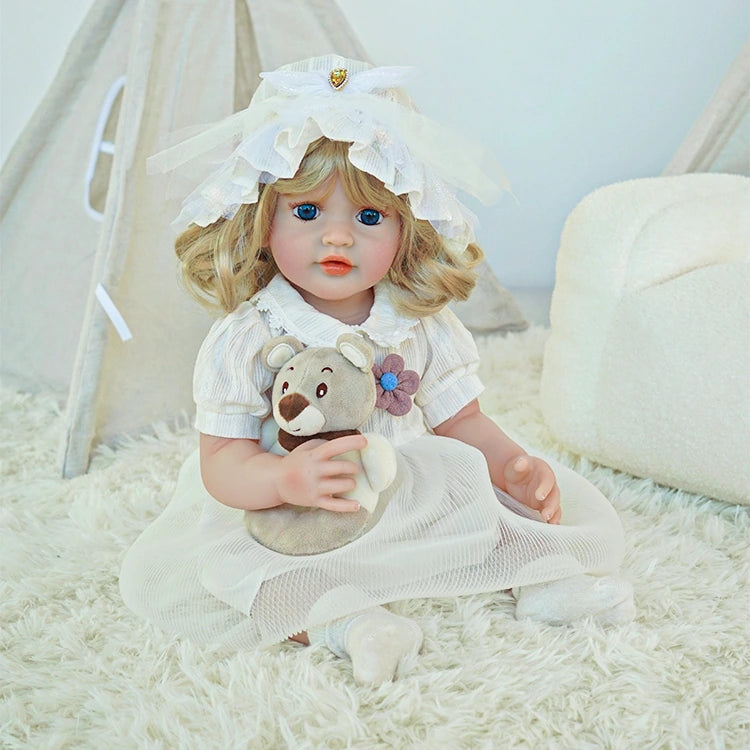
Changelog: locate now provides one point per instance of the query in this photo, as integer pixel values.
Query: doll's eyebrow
(327, 368)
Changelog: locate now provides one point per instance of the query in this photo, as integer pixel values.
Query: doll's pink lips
(335, 265)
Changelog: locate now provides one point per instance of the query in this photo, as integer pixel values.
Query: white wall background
(569, 95)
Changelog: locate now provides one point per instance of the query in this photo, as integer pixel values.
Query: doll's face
(332, 250)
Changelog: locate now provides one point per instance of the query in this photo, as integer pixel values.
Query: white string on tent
(113, 313)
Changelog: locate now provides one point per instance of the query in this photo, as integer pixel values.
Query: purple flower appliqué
(395, 386)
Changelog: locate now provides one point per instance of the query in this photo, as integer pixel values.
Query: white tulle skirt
(445, 531)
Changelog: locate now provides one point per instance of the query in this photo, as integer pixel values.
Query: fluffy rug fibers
(79, 670)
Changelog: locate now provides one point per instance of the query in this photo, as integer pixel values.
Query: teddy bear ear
(356, 350)
(278, 351)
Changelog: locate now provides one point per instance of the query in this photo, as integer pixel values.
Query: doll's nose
(337, 235)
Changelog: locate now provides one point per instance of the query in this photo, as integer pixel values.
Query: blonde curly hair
(227, 262)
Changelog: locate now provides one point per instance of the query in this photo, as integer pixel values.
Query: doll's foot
(608, 600)
(377, 642)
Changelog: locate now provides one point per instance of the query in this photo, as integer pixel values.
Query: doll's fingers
(310, 445)
(338, 468)
(340, 505)
(340, 445)
(545, 491)
(544, 482)
(550, 505)
(336, 486)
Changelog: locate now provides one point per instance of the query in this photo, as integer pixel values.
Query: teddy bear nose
(292, 406)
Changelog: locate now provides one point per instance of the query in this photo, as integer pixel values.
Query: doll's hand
(532, 482)
(310, 477)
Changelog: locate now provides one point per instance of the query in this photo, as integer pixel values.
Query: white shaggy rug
(78, 670)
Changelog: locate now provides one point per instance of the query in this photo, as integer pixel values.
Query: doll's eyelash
(369, 207)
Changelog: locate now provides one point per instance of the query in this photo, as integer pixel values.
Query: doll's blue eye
(370, 217)
(306, 211)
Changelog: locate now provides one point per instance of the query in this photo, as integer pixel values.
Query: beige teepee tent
(90, 302)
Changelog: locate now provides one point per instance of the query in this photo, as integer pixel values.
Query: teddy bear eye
(285, 387)
(321, 390)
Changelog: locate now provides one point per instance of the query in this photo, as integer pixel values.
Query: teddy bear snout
(292, 406)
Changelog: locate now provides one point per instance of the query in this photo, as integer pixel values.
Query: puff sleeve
(229, 381)
(450, 379)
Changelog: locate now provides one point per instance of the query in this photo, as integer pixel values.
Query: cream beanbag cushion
(647, 367)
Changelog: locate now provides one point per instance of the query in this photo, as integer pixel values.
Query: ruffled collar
(289, 312)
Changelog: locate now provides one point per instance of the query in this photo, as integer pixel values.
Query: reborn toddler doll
(332, 212)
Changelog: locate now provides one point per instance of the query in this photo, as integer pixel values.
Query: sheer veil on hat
(343, 100)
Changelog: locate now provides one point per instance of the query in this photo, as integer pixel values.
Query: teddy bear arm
(379, 461)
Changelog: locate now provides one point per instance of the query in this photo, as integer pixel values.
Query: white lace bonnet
(343, 100)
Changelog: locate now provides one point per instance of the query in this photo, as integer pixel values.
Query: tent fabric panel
(180, 69)
(247, 65)
(48, 238)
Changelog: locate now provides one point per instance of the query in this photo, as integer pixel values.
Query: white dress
(445, 530)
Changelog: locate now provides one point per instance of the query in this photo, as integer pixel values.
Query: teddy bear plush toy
(322, 393)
